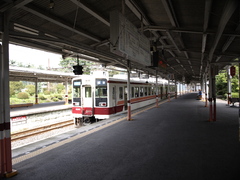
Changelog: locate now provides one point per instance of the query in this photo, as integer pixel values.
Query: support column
(229, 85)
(175, 89)
(206, 91)
(180, 87)
(5, 134)
(129, 118)
(168, 89)
(2, 128)
(156, 85)
(36, 91)
(66, 92)
(212, 94)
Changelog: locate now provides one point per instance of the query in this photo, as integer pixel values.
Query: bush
(46, 92)
(55, 99)
(235, 95)
(22, 95)
(42, 97)
(56, 96)
(59, 97)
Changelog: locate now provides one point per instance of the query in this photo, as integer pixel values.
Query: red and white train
(97, 96)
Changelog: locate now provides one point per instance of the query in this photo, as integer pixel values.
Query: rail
(36, 131)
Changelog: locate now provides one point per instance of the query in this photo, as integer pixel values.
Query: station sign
(19, 120)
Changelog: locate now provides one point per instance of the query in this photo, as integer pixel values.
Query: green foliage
(23, 95)
(15, 87)
(59, 97)
(30, 89)
(235, 95)
(68, 63)
(56, 96)
(46, 92)
(42, 97)
(112, 73)
(221, 82)
(20, 101)
(55, 99)
(60, 88)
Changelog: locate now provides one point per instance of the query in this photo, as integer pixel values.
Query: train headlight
(76, 103)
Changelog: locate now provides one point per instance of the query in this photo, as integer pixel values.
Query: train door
(87, 101)
(114, 99)
(161, 91)
(76, 95)
(125, 97)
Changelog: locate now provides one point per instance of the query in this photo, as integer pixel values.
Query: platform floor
(39, 108)
(174, 141)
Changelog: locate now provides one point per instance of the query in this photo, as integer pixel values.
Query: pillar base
(11, 174)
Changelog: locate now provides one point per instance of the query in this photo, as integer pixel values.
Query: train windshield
(77, 88)
(101, 88)
(101, 91)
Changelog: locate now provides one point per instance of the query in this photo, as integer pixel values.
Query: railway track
(36, 131)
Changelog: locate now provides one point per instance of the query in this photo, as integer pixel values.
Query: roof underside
(189, 34)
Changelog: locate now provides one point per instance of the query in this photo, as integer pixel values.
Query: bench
(233, 100)
(21, 105)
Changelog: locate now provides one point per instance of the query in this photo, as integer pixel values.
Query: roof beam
(173, 19)
(226, 15)
(15, 5)
(208, 5)
(134, 8)
(56, 21)
(90, 11)
(170, 12)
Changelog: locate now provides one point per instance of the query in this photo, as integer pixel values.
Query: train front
(89, 99)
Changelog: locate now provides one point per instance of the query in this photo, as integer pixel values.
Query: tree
(68, 63)
(30, 89)
(60, 88)
(221, 82)
(15, 87)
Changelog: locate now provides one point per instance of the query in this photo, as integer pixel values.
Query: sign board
(127, 41)
(19, 120)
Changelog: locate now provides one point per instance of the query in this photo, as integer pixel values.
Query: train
(98, 96)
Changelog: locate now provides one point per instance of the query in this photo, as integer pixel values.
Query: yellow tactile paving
(48, 148)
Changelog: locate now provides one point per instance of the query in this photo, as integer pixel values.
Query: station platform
(173, 141)
(39, 108)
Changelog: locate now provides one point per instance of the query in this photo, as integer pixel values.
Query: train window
(152, 90)
(120, 92)
(136, 91)
(101, 91)
(132, 92)
(113, 93)
(141, 91)
(77, 89)
(145, 91)
(88, 92)
(149, 90)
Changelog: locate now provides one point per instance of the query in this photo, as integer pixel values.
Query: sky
(33, 56)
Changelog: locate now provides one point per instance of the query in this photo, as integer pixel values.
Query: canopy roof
(190, 35)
